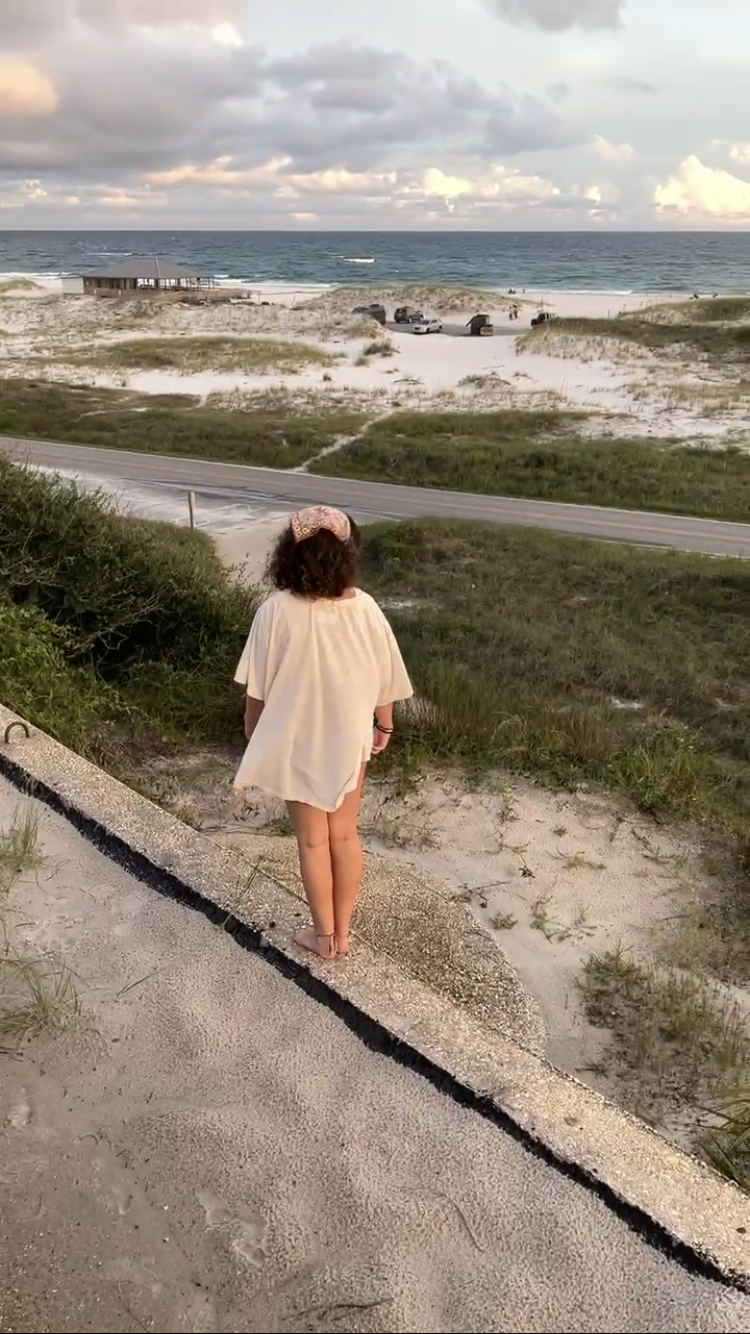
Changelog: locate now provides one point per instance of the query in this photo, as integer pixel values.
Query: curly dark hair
(319, 567)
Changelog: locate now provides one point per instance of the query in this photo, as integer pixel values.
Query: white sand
(626, 388)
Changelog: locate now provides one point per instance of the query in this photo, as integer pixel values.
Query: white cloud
(703, 192)
(24, 89)
(494, 184)
(209, 14)
(226, 34)
(557, 15)
(610, 152)
(740, 153)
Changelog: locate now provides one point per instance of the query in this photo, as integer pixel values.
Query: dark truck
(375, 312)
(408, 315)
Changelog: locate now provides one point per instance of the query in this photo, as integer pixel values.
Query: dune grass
(190, 355)
(524, 646)
(718, 339)
(19, 847)
(676, 1037)
(727, 1141)
(546, 456)
(715, 310)
(37, 994)
(165, 424)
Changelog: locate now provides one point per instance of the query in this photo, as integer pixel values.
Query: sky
(375, 114)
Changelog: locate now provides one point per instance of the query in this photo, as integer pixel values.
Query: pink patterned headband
(306, 523)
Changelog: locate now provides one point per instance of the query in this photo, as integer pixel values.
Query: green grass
(520, 640)
(19, 847)
(542, 455)
(727, 1143)
(177, 425)
(187, 355)
(675, 1037)
(120, 637)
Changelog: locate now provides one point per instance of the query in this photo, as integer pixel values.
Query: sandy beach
(347, 360)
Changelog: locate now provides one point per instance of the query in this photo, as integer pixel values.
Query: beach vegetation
(523, 644)
(675, 1038)
(546, 455)
(118, 634)
(717, 341)
(188, 356)
(268, 434)
(380, 347)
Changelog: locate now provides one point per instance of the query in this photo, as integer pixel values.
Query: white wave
(346, 260)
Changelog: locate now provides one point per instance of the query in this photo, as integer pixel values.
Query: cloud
(695, 190)
(24, 89)
(559, 15)
(624, 83)
(496, 184)
(355, 103)
(492, 184)
(610, 152)
(143, 101)
(740, 153)
(159, 13)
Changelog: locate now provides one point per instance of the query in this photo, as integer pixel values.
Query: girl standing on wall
(321, 672)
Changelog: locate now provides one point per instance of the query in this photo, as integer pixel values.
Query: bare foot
(342, 944)
(309, 939)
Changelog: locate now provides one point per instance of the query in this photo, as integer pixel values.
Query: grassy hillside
(117, 633)
(546, 456)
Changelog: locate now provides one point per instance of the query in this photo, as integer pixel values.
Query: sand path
(213, 1150)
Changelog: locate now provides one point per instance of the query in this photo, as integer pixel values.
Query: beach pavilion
(144, 274)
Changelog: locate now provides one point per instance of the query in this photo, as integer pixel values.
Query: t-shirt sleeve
(256, 667)
(394, 680)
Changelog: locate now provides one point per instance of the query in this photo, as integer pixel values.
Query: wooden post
(191, 508)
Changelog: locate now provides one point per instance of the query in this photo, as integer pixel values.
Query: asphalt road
(235, 483)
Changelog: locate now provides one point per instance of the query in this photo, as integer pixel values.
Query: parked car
(374, 310)
(543, 317)
(408, 315)
(428, 327)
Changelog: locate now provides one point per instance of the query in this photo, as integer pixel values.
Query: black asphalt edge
(373, 1034)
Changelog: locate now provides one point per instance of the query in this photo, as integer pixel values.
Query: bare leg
(311, 828)
(346, 863)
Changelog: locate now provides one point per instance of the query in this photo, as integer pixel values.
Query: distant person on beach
(321, 671)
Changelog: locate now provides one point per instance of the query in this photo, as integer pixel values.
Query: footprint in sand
(247, 1232)
(19, 1113)
(199, 1314)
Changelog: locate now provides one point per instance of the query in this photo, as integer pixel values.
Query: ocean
(616, 262)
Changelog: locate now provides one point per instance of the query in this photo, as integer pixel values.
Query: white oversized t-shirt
(320, 668)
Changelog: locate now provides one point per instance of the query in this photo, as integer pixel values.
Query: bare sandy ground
(209, 1149)
(550, 878)
(627, 389)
